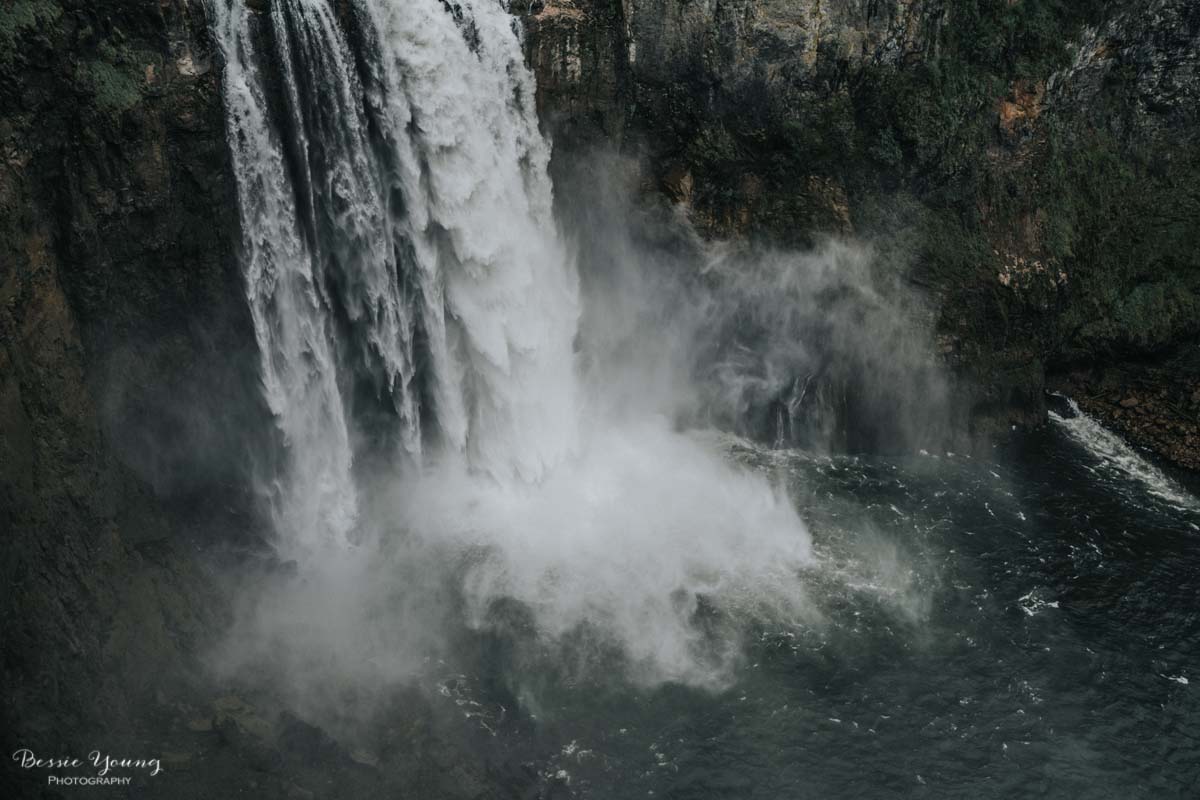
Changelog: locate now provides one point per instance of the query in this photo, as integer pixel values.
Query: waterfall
(455, 105)
(396, 212)
(417, 313)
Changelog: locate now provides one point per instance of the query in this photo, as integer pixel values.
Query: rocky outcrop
(1027, 166)
(692, 81)
(1149, 52)
(1156, 406)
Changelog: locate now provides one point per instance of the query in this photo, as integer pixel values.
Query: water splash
(632, 538)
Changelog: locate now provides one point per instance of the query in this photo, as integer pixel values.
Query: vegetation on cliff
(1031, 165)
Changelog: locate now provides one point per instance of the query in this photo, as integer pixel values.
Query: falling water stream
(395, 214)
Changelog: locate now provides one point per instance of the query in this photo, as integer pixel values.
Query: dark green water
(1022, 627)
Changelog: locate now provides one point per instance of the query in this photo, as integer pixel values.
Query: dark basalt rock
(118, 298)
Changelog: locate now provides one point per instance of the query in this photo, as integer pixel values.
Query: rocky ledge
(1157, 407)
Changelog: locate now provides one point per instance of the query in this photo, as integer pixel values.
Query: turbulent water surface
(485, 488)
(1009, 628)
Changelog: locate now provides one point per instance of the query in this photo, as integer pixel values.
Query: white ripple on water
(1034, 603)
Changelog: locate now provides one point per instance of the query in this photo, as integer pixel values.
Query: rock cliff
(121, 330)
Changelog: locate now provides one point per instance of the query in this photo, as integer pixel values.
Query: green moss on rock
(114, 89)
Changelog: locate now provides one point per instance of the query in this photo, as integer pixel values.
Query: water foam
(1120, 459)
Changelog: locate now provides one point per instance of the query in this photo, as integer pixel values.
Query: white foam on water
(1122, 460)
(1034, 603)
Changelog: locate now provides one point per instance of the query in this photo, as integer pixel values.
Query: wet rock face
(122, 335)
(773, 41)
(1152, 51)
(777, 41)
(1025, 163)
(117, 196)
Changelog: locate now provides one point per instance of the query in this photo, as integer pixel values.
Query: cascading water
(454, 104)
(435, 224)
(288, 302)
(413, 297)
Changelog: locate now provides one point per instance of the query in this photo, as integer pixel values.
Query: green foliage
(886, 150)
(925, 128)
(938, 116)
(114, 89)
(1127, 222)
(1021, 39)
(824, 137)
(714, 145)
(114, 79)
(933, 179)
(110, 76)
(19, 16)
(1118, 224)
